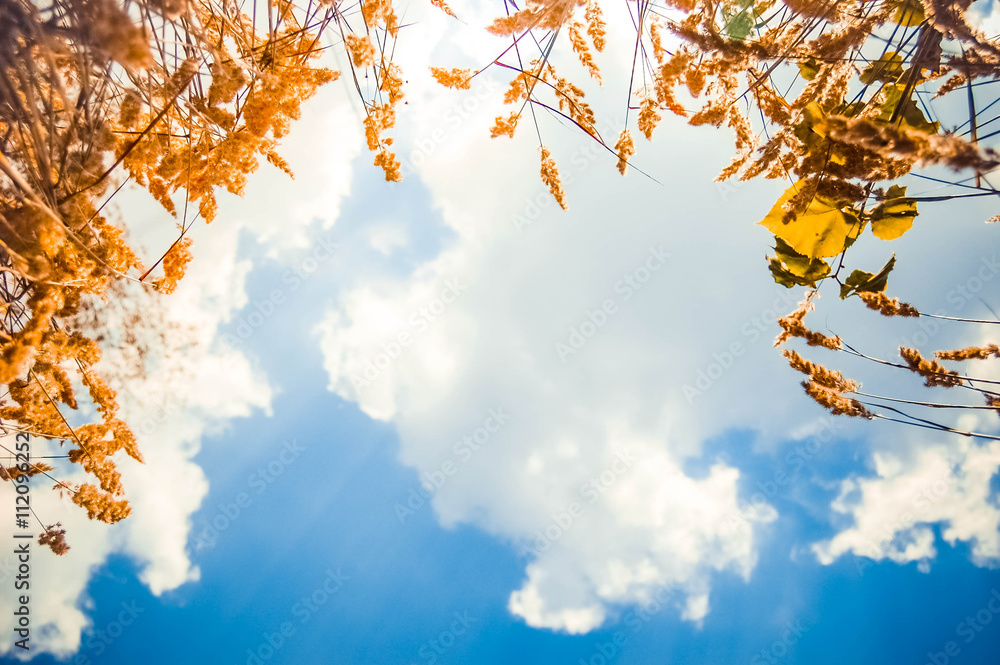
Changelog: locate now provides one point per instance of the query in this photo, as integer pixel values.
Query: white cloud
(987, 23)
(319, 148)
(893, 512)
(536, 278)
(186, 386)
(191, 384)
(648, 326)
(435, 369)
(386, 238)
(920, 482)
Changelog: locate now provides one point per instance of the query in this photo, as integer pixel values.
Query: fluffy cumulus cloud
(181, 385)
(320, 147)
(554, 376)
(921, 483)
(535, 369)
(539, 391)
(894, 511)
(178, 380)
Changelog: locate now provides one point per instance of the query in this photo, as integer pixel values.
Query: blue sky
(741, 531)
(406, 583)
(407, 587)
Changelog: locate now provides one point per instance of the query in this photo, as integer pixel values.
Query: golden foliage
(887, 306)
(460, 79)
(827, 378)
(181, 97)
(934, 372)
(443, 6)
(55, 539)
(793, 326)
(970, 353)
(582, 50)
(836, 403)
(796, 83)
(550, 176)
(361, 49)
(504, 126)
(648, 117)
(625, 148)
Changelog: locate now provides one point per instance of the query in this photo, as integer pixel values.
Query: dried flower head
(818, 373)
(625, 149)
(54, 538)
(970, 353)
(934, 372)
(595, 24)
(504, 126)
(460, 79)
(582, 50)
(993, 401)
(101, 506)
(648, 117)
(443, 6)
(175, 263)
(836, 403)
(792, 326)
(361, 49)
(887, 306)
(550, 176)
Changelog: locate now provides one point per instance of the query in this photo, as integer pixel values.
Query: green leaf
(739, 16)
(822, 230)
(887, 69)
(894, 216)
(793, 269)
(861, 281)
(740, 25)
(911, 116)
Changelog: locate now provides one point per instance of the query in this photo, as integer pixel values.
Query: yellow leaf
(894, 215)
(821, 230)
(909, 13)
(910, 115)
